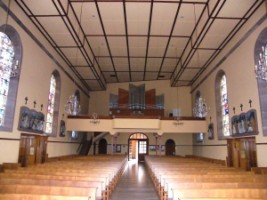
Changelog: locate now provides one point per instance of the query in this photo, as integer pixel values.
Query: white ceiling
(109, 41)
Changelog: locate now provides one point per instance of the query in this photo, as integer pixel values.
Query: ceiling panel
(153, 64)
(169, 65)
(200, 58)
(85, 72)
(121, 61)
(137, 21)
(137, 64)
(113, 17)
(110, 77)
(123, 76)
(163, 18)
(157, 46)
(40, 7)
(89, 18)
(164, 76)
(151, 76)
(188, 74)
(229, 9)
(105, 63)
(57, 30)
(218, 32)
(94, 84)
(118, 46)
(176, 46)
(137, 76)
(137, 46)
(187, 18)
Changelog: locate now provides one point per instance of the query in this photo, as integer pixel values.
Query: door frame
(137, 139)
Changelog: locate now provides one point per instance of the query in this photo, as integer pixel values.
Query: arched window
(10, 59)
(260, 58)
(53, 105)
(222, 106)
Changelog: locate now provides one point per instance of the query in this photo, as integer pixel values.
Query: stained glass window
(51, 105)
(224, 106)
(6, 61)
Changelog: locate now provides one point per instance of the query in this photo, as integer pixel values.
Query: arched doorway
(170, 147)
(138, 147)
(102, 146)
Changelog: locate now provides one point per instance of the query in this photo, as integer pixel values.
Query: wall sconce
(94, 119)
(201, 108)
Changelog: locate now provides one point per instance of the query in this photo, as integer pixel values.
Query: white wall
(36, 70)
(242, 86)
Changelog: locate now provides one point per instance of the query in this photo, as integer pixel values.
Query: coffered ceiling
(110, 41)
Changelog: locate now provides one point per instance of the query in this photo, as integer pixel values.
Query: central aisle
(134, 184)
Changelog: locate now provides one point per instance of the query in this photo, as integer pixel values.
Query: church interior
(174, 91)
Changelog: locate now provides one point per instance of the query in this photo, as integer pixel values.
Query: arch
(11, 97)
(170, 147)
(138, 136)
(261, 48)
(222, 107)
(53, 104)
(102, 146)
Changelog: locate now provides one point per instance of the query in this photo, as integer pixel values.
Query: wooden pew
(89, 193)
(100, 192)
(259, 170)
(247, 193)
(39, 197)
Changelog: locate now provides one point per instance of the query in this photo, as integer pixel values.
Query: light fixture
(94, 119)
(201, 108)
(261, 67)
(72, 106)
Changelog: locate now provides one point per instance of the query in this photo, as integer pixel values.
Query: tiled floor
(135, 184)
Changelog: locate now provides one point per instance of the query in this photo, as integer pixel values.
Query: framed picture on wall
(118, 148)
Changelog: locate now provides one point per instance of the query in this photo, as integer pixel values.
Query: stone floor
(135, 184)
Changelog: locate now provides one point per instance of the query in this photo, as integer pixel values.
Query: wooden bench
(39, 197)
(259, 170)
(89, 193)
(247, 193)
(100, 192)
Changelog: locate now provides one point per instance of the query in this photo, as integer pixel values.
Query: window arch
(10, 56)
(53, 105)
(222, 107)
(261, 48)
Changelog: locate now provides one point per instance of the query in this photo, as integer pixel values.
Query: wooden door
(102, 146)
(32, 149)
(242, 153)
(142, 150)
